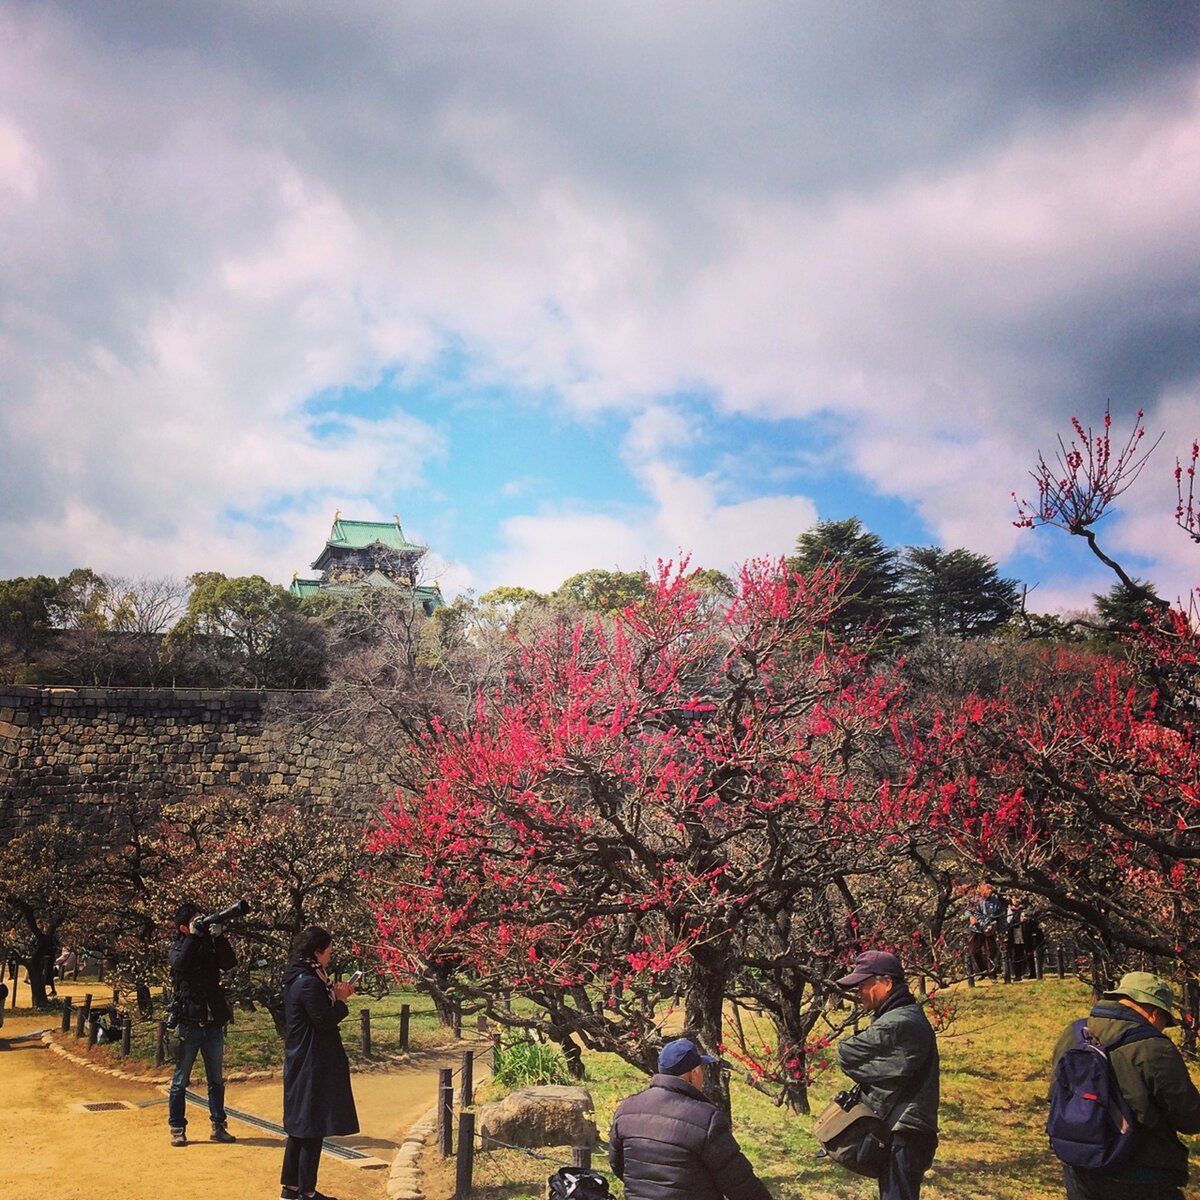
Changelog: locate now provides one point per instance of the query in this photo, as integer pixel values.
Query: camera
(240, 909)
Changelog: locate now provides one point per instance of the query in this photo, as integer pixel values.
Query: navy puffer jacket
(671, 1142)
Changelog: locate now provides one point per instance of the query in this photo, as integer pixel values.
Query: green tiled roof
(356, 535)
(305, 587)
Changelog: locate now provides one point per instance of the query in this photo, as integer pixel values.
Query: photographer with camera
(199, 1012)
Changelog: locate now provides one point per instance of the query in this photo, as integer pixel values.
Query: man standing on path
(1156, 1085)
(895, 1062)
(197, 957)
(671, 1142)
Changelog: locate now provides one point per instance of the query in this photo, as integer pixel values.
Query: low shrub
(529, 1064)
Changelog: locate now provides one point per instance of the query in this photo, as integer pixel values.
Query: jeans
(911, 1156)
(301, 1157)
(209, 1042)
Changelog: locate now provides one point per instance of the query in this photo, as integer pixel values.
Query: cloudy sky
(574, 285)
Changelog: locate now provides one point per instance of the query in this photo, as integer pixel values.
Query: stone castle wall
(80, 752)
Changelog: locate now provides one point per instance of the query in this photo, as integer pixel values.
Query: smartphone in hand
(355, 979)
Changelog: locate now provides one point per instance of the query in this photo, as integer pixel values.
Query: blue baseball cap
(681, 1056)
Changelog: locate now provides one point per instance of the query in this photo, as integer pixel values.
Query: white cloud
(206, 228)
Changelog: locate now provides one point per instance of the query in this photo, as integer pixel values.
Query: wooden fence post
(405, 1015)
(467, 1079)
(160, 1044)
(66, 1017)
(1008, 973)
(970, 970)
(457, 1019)
(1058, 961)
(364, 1020)
(445, 1110)
(81, 1017)
(581, 1156)
(126, 1034)
(464, 1165)
(93, 1028)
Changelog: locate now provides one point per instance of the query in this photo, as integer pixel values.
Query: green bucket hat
(1143, 988)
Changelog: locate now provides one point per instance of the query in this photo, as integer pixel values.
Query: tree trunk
(704, 1012)
(792, 1027)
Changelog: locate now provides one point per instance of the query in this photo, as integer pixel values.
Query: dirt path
(49, 1150)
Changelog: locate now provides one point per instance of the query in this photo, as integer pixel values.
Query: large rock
(540, 1116)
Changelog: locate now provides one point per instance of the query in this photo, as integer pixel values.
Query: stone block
(541, 1116)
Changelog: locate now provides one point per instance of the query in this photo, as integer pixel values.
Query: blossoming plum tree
(1086, 792)
(682, 799)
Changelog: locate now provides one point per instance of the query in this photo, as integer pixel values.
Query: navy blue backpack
(1090, 1125)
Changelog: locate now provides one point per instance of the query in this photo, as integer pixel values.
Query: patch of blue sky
(757, 457)
(1049, 559)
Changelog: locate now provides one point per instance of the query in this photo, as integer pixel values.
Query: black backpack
(1090, 1124)
(578, 1183)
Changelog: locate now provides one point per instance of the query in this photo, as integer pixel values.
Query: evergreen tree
(955, 592)
(1124, 606)
(873, 604)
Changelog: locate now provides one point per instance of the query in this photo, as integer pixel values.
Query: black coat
(197, 961)
(317, 1101)
(671, 1142)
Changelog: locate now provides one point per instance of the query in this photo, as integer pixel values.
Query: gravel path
(49, 1151)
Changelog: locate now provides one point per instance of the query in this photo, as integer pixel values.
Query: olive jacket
(1156, 1085)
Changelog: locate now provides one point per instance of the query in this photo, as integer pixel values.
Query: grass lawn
(995, 1072)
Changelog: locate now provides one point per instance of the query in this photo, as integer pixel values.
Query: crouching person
(671, 1142)
(895, 1061)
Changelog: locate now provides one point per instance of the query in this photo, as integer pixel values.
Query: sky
(573, 285)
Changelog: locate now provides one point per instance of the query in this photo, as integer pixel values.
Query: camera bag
(854, 1137)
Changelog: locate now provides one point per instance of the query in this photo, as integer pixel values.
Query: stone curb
(404, 1181)
(83, 1060)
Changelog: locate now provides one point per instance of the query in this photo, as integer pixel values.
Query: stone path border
(83, 1060)
(404, 1182)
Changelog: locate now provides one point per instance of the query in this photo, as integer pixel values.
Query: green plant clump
(529, 1064)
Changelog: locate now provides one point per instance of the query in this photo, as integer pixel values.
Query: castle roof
(358, 535)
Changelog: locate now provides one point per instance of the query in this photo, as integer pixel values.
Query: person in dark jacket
(985, 917)
(671, 1142)
(197, 957)
(895, 1062)
(1024, 941)
(1156, 1085)
(317, 1100)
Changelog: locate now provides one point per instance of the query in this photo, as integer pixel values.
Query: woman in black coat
(317, 1101)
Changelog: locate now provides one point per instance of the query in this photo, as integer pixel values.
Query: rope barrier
(490, 1143)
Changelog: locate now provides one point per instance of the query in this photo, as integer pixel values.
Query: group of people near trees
(1000, 931)
(672, 1142)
